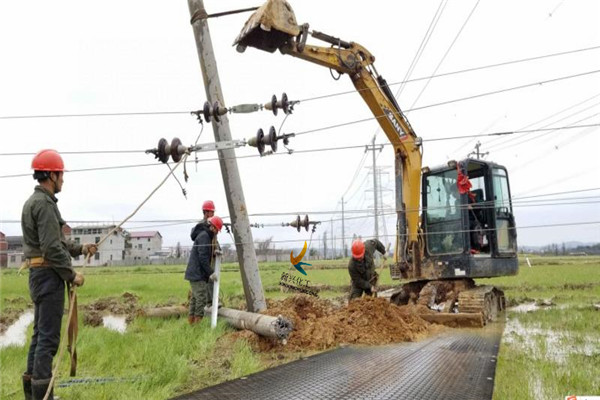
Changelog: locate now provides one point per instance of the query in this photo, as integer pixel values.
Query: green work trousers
(202, 294)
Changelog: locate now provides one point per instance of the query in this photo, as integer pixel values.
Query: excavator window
(503, 210)
(443, 214)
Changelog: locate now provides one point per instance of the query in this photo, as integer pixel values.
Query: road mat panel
(456, 365)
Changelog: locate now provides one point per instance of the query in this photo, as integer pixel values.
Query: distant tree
(564, 249)
(178, 250)
(263, 246)
(325, 245)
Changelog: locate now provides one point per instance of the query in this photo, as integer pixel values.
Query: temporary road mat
(459, 364)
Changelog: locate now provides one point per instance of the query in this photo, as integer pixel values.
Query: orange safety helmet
(208, 205)
(48, 160)
(358, 249)
(217, 222)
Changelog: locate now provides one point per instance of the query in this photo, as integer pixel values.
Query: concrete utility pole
(244, 243)
(373, 148)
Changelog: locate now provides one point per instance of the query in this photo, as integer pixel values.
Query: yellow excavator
(455, 221)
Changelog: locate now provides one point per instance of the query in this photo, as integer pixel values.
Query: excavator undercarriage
(457, 302)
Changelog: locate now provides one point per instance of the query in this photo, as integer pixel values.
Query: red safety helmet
(208, 205)
(358, 249)
(48, 160)
(217, 222)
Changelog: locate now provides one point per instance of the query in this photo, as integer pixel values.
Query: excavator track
(487, 300)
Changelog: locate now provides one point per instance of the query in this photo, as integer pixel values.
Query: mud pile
(321, 324)
(127, 305)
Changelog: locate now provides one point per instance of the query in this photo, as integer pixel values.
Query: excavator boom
(273, 27)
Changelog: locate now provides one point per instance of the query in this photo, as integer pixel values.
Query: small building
(3, 251)
(15, 259)
(112, 249)
(144, 244)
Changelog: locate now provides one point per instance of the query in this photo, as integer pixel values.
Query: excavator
(455, 222)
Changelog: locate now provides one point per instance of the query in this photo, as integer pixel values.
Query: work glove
(373, 289)
(79, 279)
(218, 252)
(89, 248)
(213, 277)
(384, 258)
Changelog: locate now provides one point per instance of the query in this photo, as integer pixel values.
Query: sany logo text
(296, 261)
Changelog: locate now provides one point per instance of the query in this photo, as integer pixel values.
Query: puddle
(525, 307)
(15, 335)
(115, 323)
(546, 343)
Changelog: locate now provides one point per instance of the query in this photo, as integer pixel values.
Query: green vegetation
(546, 353)
(551, 352)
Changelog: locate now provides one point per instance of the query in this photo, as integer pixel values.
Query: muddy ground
(320, 324)
(12, 310)
(126, 304)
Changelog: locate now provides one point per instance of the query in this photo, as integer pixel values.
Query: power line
(312, 150)
(144, 113)
(446, 53)
(459, 72)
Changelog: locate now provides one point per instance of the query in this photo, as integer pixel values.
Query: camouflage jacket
(43, 235)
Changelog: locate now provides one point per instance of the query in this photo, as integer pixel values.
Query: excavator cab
(467, 221)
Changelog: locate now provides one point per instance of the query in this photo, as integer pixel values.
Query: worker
(48, 255)
(362, 267)
(208, 210)
(200, 269)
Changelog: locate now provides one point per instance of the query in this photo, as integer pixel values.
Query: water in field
(115, 323)
(547, 343)
(16, 334)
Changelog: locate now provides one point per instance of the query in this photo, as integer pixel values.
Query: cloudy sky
(79, 57)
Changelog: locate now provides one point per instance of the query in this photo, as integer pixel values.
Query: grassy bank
(554, 351)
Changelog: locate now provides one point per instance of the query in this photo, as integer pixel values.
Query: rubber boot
(27, 386)
(191, 319)
(197, 319)
(39, 388)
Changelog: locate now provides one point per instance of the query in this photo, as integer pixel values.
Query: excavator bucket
(273, 24)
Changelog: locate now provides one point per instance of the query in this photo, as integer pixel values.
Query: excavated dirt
(127, 305)
(322, 324)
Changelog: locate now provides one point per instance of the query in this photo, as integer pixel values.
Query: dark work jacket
(42, 224)
(360, 273)
(199, 266)
(371, 246)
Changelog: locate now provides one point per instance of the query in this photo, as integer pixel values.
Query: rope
(73, 291)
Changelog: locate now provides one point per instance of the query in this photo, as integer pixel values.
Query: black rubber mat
(457, 365)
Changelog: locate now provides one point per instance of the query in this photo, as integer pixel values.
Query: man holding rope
(48, 255)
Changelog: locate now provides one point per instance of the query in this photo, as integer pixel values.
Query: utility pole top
(477, 153)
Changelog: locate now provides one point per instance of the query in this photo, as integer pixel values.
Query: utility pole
(244, 243)
(373, 148)
(477, 153)
(332, 240)
(344, 248)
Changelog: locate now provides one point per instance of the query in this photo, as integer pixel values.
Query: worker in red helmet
(48, 256)
(200, 269)
(362, 267)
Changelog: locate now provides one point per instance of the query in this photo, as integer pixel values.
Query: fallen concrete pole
(164, 312)
(263, 325)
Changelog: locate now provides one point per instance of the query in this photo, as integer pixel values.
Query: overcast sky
(71, 57)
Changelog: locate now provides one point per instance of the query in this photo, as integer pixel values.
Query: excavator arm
(273, 27)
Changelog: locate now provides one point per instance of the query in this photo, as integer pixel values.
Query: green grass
(163, 358)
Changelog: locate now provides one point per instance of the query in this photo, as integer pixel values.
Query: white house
(145, 244)
(112, 249)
